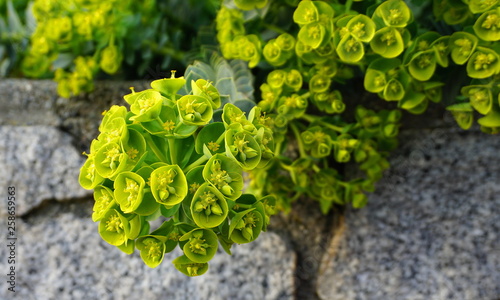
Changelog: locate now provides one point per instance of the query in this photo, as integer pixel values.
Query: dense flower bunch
(167, 158)
(75, 40)
(311, 59)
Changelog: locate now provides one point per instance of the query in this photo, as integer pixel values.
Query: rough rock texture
(431, 230)
(61, 256)
(41, 163)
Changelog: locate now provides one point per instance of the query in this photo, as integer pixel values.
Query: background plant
(313, 53)
(16, 24)
(76, 40)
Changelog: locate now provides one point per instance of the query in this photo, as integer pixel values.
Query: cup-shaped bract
(361, 28)
(112, 227)
(241, 146)
(202, 87)
(394, 13)
(374, 81)
(201, 245)
(104, 200)
(265, 139)
(246, 226)
(224, 174)
(128, 191)
(145, 105)
(110, 160)
(462, 45)
(169, 87)
(387, 42)
(350, 50)
(393, 90)
(194, 110)
(152, 249)
(208, 207)
(480, 96)
(276, 79)
(169, 185)
(115, 130)
(491, 120)
(114, 112)
(319, 83)
(423, 65)
(317, 141)
(249, 48)
(111, 59)
(313, 34)
(480, 6)
(414, 102)
(442, 49)
(273, 53)
(306, 13)
(188, 267)
(487, 26)
(463, 114)
(483, 63)
(89, 178)
(232, 114)
(293, 80)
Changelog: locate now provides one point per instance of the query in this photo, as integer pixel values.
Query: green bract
(224, 174)
(112, 227)
(387, 42)
(194, 110)
(487, 26)
(394, 13)
(145, 105)
(483, 63)
(208, 207)
(169, 185)
(201, 245)
(462, 46)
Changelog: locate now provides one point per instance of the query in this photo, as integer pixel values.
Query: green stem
(299, 140)
(313, 119)
(155, 148)
(348, 5)
(196, 163)
(171, 150)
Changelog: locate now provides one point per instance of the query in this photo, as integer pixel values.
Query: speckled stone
(41, 163)
(431, 229)
(61, 256)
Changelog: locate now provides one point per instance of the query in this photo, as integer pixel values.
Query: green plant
(320, 65)
(16, 24)
(166, 157)
(322, 49)
(77, 40)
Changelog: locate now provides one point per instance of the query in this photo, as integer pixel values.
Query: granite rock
(41, 163)
(61, 256)
(431, 229)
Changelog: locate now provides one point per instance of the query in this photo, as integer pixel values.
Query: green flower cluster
(167, 158)
(78, 40)
(312, 58)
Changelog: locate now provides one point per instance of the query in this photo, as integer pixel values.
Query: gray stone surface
(41, 163)
(61, 256)
(431, 230)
